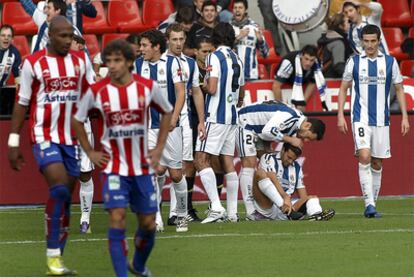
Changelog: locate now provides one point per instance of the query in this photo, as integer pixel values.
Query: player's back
(225, 65)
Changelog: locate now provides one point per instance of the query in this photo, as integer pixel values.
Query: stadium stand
(156, 11)
(263, 73)
(407, 67)
(126, 16)
(21, 43)
(273, 57)
(396, 13)
(99, 24)
(14, 14)
(395, 37)
(92, 44)
(411, 32)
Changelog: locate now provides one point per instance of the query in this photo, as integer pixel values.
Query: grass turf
(348, 245)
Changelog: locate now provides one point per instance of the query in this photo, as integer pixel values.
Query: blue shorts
(48, 152)
(137, 191)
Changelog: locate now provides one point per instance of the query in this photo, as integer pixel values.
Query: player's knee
(176, 178)
(313, 206)
(200, 161)
(85, 176)
(248, 162)
(364, 157)
(260, 174)
(60, 192)
(117, 218)
(376, 164)
(147, 223)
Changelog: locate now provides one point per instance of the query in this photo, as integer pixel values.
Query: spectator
(77, 8)
(202, 28)
(248, 38)
(222, 8)
(334, 47)
(300, 68)
(185, 15)
(9, 63)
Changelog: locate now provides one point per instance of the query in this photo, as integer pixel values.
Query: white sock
(160, 184)
(365, 179)
(209, 182)
(53, 252)
(268, 188)
(86, 198)
(246, 186)
(181, 195)
(173, 201)
(376, 182)
(232, 188)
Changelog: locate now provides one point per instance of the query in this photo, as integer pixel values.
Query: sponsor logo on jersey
(61, 98)
(125, 117)
(61, 84)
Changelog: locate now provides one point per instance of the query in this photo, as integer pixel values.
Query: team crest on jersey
(46, 73)
(141, 100)
(179, 72)
(161, 72)
(292, 178)
(381, 72)
(230, 98)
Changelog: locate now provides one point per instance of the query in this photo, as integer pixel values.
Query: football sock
(208, 179)
(232, 182)
(376, 182)
(173, 201)
(64, 229)
(118, 248)
(190, 187)
(365, 179)
(54, 211)
(144, 242)
(181, 197)
(160, 185)
(219, 182)
(86, 197)
(268, 188)
(246, 186)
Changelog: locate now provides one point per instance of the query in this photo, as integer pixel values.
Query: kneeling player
(278, 177)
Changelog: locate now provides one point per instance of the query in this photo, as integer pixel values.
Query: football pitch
(348, 245)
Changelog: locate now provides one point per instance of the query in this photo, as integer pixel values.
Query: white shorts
(246, 141)
(273, 213)
(220, 139)
(187, 137)
(372, 137)
(172, 155)
(86, 164)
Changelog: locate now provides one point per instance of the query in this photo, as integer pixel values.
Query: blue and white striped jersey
(191, 74)
(371, 83)
(167, 22)
(246, 49)
(290, 178)
(271, 120)
(225, 65)
(10, 61)
(167, 71)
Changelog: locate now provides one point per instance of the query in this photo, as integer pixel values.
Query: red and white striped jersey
(124, 112)
(52, 86)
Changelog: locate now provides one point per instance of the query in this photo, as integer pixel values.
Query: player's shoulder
(97, 87)
(79, 54)
(142, 80)
(36, 56)
(14, 50)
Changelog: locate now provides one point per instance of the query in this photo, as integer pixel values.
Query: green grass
(348, 245)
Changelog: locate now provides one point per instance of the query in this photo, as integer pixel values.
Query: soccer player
(299, 68)
(51, 83)
(175, 39)
(249, 37)
(260, 124)
(280, 176)
(352, 10)
(225, 87)
(371, 75)
(166, 69)
(123, 101)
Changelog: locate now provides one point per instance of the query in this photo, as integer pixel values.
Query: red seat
(99, 24)
(106, 38)
(20, 42)
(407, 68)
(125, 15)
(396, 13)
(156, 11)
(92, 44)
(5, 1)
(394, 38)
(411, 31)
(412, 11)
(263, 73)
(16, 16)
(273, 57)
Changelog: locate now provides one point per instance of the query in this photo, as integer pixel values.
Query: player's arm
(345, 85)
(87, 8)
(198, 98)
(277, 90)
(287, 204)
(303, 197)
(405, 125)
(241, 97)
(282, 76)
(212, 74)
(273, 130)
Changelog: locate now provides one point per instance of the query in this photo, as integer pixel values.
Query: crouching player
(123, 100)
(279, 176)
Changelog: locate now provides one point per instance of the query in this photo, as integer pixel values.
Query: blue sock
(144, 242)
(54, 211)
(64, 228)
(119, 251)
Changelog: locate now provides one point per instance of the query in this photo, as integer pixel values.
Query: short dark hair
(347, 4)
(318, 127)
(371, 29)
(294, 149)
(155, 37)
(59, 5)
(223, 34)
(201, 40)
(133, 38)
(175, 27)
(244, 2)
(209, 3)
(119, 46)
(185, 14)
(335, 21)
(7, 26)
(311, 50)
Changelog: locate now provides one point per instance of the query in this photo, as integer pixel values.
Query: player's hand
(15, 158)
(201, 129)
(297, 142)
(287, 205)
(405, 126)
(173, 124)
(342, 127)
(98, 158)
(154, 156)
